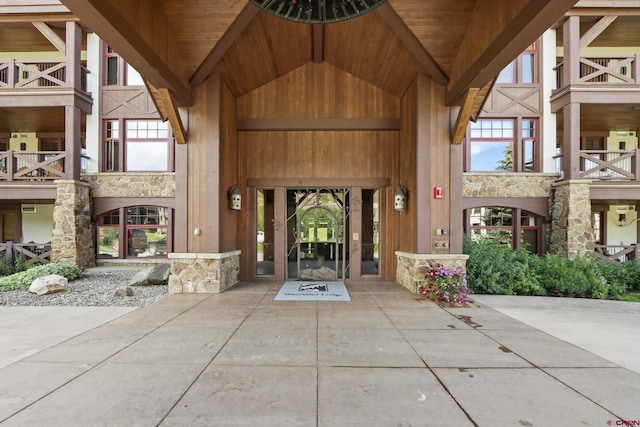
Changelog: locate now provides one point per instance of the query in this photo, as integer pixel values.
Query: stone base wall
(507, 184)
(72, 239)
(412, 268)
(132, 184)
(571, 229)
(203, 273)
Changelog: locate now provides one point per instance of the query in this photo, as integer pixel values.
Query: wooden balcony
(34, 253)
(32, 74)
(600, 71)
(610, 165)
(32, 165)
(619, 253)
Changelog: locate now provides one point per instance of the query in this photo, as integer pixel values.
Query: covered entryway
(317, 233)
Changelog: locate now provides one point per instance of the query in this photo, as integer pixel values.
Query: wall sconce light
(196, 231)
(235, 197)
(400, 198)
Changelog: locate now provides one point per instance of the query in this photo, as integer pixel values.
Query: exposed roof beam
(51, 35)
(464, 115)
(317, 34)
(58, 17)
(114, 29)
(597, 29)
(424, 58)
(173, 115)
(480, 60)
(226, 41)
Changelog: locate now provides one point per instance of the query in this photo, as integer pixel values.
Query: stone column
(72, 241)
(571, 228)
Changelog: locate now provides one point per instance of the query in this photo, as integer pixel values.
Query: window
(494, 145)
(145, 232)
(500, 223)
(117, 72)
(523, 69)
(147, 146)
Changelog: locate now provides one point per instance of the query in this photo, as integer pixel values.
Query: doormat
(313, 291)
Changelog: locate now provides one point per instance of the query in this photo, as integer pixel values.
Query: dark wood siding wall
(296, 155)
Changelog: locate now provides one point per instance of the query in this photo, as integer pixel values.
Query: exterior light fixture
(400, 197)
(235, 197)
(317, 11)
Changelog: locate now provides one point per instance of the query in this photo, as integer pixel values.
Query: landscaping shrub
(23, 279)
(571, 278)
(493, 268)
(621, 276)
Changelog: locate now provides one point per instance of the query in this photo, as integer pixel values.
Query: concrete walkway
(387, 358)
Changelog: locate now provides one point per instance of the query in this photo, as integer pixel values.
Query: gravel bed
(95, 288)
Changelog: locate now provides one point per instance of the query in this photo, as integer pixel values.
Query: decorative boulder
(49, 285)
(158, 275)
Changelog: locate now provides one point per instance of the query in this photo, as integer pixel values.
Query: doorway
(317, 222)
(317, 233)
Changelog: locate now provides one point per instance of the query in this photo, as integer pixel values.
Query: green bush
(621, 276)
(493, 268)
(22, 280)
(572, 278)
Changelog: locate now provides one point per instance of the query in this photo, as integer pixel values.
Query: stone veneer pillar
(72, 240)
(412, 268)
(571, 228)
(203, 273)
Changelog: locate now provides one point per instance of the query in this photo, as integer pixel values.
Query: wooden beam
(17, 18)
(224, 44)
(608, 3)
(318, 124)
(480, 60)
(317, 34)
(424, 58)
(51, 35)
(173, 115)
(464, 115)
(595, 30)
(112, 27)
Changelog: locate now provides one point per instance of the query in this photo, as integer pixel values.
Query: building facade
(253, 148)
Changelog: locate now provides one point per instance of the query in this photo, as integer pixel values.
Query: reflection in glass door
(265, 234)
(370, 232)
(316, 232)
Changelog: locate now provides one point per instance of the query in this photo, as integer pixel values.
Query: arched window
(513, 227)
(144, 233)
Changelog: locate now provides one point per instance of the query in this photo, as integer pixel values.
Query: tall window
(523, 69)
(512, 227)
(145, 145)
(117, 72)
(494, 145)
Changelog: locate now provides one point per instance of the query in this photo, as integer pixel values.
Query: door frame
(352, 241)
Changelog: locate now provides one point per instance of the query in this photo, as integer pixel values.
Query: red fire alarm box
(438, 193)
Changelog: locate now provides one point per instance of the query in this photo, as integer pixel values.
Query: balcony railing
(34, 253)
(30, 74)
(611, 70)
(32, 165)
(603, 164)
(619, 253)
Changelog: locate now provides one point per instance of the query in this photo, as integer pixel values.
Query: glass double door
(316, 233)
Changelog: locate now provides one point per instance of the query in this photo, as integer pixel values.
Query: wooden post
(571, 141)
(571, 45)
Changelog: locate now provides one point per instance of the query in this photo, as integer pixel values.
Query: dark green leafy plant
(22, 280)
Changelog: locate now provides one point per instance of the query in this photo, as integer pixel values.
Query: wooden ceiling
(176, 44)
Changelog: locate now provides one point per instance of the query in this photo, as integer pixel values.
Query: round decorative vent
(317, 11)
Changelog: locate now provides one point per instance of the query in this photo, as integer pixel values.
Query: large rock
(158, 275)
(49, 285)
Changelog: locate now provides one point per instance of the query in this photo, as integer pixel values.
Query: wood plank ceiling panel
(269, 48)
(24, 37)
(364, 46)
(440, 25)
(198, 25)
